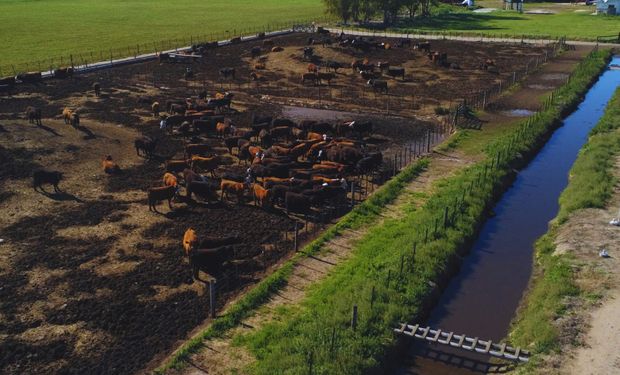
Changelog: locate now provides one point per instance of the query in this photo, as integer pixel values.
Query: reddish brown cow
(261, 195)
(236, 188)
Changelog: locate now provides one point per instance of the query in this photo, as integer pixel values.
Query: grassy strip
(590, 186)
(566, 22)
(385, 278)
(360, 215)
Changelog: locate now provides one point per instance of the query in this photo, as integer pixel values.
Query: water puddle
(303, 113)
(554, 76)
(518, 113)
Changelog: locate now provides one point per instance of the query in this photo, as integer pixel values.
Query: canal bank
(571, 312)
(482, 299)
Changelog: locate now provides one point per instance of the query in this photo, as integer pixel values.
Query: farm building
(607, 7)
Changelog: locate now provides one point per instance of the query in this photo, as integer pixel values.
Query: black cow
(308, 53)
(210, 260)
(256, 51)
(97, 89)
(41, 177)
(206, 190)
(34, 115)
(299, 203)
(146, 145)
(394, 72)
(219, 104)
(228, 73)
(378, 86)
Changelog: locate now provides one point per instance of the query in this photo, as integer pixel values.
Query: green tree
(340, 8)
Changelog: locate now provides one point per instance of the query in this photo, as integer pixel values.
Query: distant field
(34, 30)
(573, 21)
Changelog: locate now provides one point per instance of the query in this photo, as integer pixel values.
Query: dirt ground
(90, 280)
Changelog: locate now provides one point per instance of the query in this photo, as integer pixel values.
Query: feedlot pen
(91, 281)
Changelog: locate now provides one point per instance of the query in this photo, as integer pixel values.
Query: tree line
(364, 10)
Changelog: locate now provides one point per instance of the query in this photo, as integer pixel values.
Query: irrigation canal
(482, 299)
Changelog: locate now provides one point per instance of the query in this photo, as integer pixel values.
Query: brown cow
(109, 166)
(158, 194)
(261, 195)
(170, 180)
(236, 188)
(222, 128)
(190, 239)
(206, 164)
(66, 115)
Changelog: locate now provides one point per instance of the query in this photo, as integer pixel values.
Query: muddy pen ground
(90, 280)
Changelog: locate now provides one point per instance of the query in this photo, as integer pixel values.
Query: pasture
(575, 22)
(40, 30)
(92, 281)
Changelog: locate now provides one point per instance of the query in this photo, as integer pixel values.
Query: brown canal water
(482, 299)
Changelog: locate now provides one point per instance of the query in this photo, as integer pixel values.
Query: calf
(109, 166)
(34, 115)
(41, 177)
(155, 195)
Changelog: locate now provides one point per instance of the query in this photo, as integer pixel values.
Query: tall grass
(384, 278)
(590, 186)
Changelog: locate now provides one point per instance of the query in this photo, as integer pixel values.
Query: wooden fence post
(296, 234)
(212, 298)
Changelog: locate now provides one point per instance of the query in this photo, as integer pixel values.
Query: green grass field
(574, 22)
(32, 30)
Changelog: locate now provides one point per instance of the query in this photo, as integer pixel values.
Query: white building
(608, 7)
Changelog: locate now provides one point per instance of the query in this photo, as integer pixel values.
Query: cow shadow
(60, 196)
(88, 134)
(49, 130)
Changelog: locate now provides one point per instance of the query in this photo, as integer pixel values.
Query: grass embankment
(40, 30)
(573, 22)
(384, 278)
(362, 214)
(590, 186)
